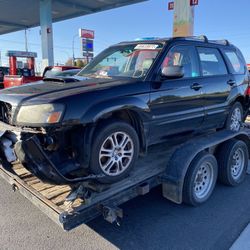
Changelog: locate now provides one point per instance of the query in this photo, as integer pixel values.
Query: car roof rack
(203, 38)
(223, 42)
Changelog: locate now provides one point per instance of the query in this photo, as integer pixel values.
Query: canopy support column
(46, 33)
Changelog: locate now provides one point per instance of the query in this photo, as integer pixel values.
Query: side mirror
(172, 72)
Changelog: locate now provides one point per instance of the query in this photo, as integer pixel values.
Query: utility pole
(184, 17)
(73, 49)
(26, 40)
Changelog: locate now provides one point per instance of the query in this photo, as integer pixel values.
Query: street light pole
(73, 50)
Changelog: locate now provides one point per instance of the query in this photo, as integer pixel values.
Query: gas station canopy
(19, 15)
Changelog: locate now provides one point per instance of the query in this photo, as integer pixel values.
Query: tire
(235, 117)
(115, 162)
(232, 161)
(200, 179)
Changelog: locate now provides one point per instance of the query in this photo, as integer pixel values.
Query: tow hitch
(112, 214)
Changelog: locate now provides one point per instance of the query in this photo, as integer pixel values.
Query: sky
(217, 19)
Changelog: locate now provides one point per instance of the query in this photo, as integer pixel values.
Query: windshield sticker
(147, 46)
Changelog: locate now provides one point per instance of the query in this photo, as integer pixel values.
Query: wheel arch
(133, 118)
(243, 101)
(133, 110)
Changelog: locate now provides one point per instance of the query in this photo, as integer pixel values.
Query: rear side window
(236, 64)
(212, 63)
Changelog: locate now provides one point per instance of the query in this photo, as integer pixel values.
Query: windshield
(52, 72)
(123, 61)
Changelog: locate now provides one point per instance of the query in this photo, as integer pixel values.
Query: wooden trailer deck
(52, 199)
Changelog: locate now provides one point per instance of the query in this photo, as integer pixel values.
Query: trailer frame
(71, 206)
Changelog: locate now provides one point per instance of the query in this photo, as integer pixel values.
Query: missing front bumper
(32, 156)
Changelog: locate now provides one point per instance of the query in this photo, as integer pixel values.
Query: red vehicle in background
(17, 76)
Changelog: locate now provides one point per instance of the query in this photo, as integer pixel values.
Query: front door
(177, 105)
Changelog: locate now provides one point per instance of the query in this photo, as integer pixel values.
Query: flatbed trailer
(71, 206)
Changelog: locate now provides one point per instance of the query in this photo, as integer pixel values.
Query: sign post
(87, 43)
(183, 17)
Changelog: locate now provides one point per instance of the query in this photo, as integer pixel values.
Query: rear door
(216, 84)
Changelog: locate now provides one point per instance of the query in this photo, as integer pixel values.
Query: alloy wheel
(236, 119)
(116, 153)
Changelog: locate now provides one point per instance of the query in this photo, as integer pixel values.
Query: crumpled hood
(43, 91)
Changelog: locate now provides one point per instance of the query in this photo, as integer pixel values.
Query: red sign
(194, 2)
(89, 34)
(170, 5)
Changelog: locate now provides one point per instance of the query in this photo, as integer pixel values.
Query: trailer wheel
(200, 179)
(233, 162)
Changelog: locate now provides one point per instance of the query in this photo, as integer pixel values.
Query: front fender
(137, 104)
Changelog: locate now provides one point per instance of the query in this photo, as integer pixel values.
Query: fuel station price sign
(87, 43)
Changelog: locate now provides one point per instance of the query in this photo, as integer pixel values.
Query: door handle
(196, 86)
(231, 82)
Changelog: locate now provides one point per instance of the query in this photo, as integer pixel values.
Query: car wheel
(235, 117)
(114, 152)
(200, 179)
(233, 162)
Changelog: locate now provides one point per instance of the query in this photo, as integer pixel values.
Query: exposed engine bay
(54, 155)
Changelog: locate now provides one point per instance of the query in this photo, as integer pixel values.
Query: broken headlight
(40, 114)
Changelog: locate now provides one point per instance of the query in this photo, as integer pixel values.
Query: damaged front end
(55, 155)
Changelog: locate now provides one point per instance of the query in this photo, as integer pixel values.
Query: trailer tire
(200, 179)
(232, 161)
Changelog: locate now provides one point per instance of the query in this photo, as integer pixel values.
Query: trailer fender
(173, 178)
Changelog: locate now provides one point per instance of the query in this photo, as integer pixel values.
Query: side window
(212, 63)
(236, 64)
(184, 56)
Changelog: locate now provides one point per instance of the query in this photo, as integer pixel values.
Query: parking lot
(150, 222)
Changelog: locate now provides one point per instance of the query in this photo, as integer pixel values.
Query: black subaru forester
(132, 95)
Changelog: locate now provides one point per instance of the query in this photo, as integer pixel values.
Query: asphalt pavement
(150, 222)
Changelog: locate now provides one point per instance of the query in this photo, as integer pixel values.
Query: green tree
(80, 63)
